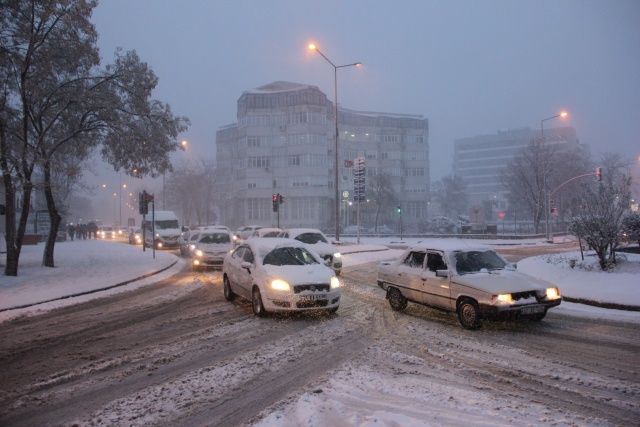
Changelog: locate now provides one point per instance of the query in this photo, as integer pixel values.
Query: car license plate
(532, 310)
(314, 297)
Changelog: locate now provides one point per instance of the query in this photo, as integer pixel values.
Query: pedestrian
(72, 231)
(92, 228)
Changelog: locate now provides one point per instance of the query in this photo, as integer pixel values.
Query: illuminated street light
(544, 175)
(183, 147)
(336, 136)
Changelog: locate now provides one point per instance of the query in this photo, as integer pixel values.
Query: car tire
(332, 310)
(397, 301)
(538, 317)
(469, 314)
(229, 295)
(256, 303)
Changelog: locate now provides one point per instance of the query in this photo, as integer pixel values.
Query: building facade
(282, 143)
(479, 160)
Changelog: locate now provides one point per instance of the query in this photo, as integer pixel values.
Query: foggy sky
(470, 67)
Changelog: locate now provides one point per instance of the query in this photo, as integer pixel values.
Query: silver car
(472, 281)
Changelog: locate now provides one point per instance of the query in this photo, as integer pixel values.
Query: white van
(166, 227)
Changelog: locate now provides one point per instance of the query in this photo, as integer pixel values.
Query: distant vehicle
(167, 230)
(319, 243)
(135, 236)
(122, 232)
(107, 232)
(266, 232)
(245, 232)
(280, 275)
(210, 248)
(188, 242)
(472, 281)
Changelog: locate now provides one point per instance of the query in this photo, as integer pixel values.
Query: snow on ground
(355, 394)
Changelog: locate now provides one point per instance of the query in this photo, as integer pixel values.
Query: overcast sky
(470, 67)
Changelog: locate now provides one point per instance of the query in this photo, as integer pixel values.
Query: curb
(93, 290)
(601, 304)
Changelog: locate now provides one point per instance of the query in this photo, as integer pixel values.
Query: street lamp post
(336, 136)
(544, 176)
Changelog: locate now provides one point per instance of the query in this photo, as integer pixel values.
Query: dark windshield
(289, 256)
(474, 261)
(311, 238)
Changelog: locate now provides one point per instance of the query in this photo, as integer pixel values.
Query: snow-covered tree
(598, 219)
(631, 227)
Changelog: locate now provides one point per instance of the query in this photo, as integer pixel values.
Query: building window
(259, 162)
(392, 138)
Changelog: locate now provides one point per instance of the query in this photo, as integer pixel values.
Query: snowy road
(176, 353)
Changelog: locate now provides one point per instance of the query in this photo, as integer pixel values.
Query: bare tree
(381, 189)
(57, 102)
(451, 194)
(599, 219)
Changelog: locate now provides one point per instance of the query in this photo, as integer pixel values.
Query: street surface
(177, 353)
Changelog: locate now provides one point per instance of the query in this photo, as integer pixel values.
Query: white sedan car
(278, 274)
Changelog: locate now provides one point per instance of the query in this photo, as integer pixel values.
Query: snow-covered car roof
(299, 231)
(261, 247)
(450, 245)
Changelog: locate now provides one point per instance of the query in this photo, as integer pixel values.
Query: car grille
(309, 304)
(313, 288)
(523, 295)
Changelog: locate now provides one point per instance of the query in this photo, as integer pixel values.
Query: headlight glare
(337, 255)
(503, 298)
(335, 283)
(553, 293)
(198, 252)
(280, 285)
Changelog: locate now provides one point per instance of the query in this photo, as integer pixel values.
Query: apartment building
(283, 143)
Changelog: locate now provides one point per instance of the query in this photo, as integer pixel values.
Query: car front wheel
(397, 301)
(229, 295)
(256, 303)
(469, 315)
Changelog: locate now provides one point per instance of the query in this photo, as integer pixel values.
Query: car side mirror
(246, 265)
(515, 266)
(442, 273)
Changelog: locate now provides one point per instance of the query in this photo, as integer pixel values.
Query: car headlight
(199, 252)
(337, 255)
(335, 283)
(280, 285)
(503, 298)
(553, 293)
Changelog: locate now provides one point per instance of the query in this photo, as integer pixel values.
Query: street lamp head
(312, 46)
(564, 114)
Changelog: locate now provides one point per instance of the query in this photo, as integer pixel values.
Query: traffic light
(398, 209)
(552, 203)
(598, 174)
(280, 198)
(143, 204)
(275, 198)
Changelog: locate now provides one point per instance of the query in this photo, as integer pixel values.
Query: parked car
(319, 243)
(472, 281)
(278, 274)
(266, 232)
(135, 236)
(210, 248)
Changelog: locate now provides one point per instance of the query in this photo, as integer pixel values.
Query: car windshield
(167, 224)
(474, 261)
(289, 256)
(311, 238)
(214, 238)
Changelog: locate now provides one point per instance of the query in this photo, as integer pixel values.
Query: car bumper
(211, 262)
(301, 302)
(517, 311)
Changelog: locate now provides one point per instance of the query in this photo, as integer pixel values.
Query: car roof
(297, 231)
(449, 245)
(267, 244)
